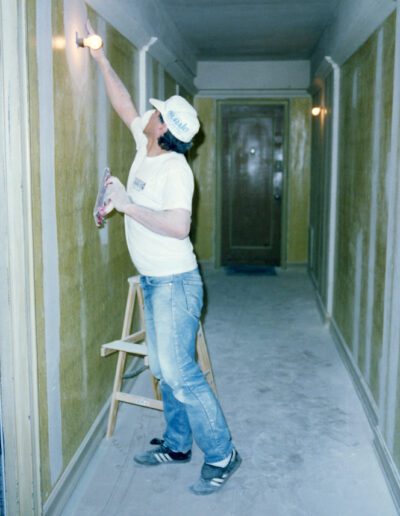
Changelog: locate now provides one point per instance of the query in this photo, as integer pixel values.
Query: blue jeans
(172, 308)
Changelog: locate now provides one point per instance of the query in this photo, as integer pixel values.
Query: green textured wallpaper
(388, 42)
(156, 78)
(298, 180)
(317, 198)
(92, 270)
(320, 188)
(362, 238)
(362, 210)
(203, 158)
(169, 85)
(354, 194)
(92, 278)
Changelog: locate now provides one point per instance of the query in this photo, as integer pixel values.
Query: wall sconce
(316, 111)
(93, 41)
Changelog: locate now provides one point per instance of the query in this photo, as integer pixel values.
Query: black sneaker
(212, 478)
(162, 455)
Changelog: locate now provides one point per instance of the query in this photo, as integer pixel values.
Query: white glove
(117, 195)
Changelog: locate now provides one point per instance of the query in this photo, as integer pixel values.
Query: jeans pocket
(158, 281)
(194, 297)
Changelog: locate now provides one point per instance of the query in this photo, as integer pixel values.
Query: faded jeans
(172, 308)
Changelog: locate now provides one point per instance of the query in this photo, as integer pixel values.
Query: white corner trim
(143, 79)
(388, 371)
(333, 185)
(19, 389)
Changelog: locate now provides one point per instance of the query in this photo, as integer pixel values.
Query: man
(157, 206)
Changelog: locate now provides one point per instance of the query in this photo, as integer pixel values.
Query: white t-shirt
(163, 182)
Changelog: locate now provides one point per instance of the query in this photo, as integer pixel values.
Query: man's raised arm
(117, 93)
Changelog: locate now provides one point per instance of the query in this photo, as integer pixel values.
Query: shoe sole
(144, 463)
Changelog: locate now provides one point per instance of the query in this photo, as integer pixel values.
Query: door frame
(285, 103)
(18, 365)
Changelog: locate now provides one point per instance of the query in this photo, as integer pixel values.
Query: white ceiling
(250, 29)
(192, 33)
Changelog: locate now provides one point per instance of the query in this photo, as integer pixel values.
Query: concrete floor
(291, 406)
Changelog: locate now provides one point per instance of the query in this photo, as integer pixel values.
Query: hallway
(296, 164)
(293, 411)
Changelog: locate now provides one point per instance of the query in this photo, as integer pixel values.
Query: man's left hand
(117, 195)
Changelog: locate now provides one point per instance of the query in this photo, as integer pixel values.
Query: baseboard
(321, 308)
(388, 466)
(320, 304)
(70, 477)
(295, 265)
(362, 388)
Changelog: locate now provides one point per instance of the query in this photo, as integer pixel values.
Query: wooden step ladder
(135, 344)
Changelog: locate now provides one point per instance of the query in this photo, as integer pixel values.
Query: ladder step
(139, 400)
(138, 336)
(122, 345)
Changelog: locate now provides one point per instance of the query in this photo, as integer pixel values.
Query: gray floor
(292, 409)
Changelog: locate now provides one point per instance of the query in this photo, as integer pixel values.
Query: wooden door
(251, 183)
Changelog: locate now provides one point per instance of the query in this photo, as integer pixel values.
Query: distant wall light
(316, 111)
(93, 41)
(58, 42)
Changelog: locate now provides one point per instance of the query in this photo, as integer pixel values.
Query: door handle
(277, 185)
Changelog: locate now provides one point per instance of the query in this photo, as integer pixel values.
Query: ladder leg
(156, 388)
(135, 295)
(117, 387)
(126, 326)
(130, 305)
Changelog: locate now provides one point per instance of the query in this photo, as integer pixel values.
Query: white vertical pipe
(333, 185)
(143, 79)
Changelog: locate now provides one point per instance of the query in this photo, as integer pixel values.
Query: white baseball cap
(179, 115)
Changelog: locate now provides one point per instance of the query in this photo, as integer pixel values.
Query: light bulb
(93, 41)
(316, 111)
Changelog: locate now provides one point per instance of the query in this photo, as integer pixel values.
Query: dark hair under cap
(169, 142)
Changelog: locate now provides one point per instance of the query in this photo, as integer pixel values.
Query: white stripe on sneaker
(163, 457)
